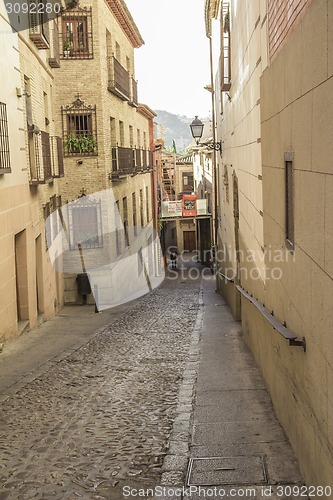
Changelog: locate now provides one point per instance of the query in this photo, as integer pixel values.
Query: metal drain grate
(214, 471)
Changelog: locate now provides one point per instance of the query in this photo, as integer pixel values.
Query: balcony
(128, 161)
(118, 79)
(38, 26)
(40, 158)
(57, 157)
(123, 164)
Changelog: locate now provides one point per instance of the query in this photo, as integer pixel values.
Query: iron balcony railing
(138, 161)
(118, 79)
(129, 161)
(122, 162)
(40, 158)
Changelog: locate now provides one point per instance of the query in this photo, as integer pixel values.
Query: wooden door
(189, 241)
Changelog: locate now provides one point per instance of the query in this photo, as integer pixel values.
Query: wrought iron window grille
(79, 129)
(4, 141)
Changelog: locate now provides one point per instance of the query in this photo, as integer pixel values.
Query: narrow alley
(114, 418)
(101, 417)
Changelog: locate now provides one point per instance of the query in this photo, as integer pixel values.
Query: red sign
(189, 205)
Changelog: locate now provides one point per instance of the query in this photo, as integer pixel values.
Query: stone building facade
(107, 133)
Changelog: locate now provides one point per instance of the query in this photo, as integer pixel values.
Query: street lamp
(197, 129)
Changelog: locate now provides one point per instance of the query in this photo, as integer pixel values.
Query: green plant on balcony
(81, 144)
(67, 48)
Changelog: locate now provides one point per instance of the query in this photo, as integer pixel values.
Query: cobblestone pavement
(101, 418)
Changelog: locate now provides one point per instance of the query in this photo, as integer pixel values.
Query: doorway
(21, 272)
(39, 276)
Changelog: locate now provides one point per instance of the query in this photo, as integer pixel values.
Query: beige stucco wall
(285, 106)
(238, 124)
(299, 120)
(22, 236)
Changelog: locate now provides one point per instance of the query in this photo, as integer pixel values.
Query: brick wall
(283, 17)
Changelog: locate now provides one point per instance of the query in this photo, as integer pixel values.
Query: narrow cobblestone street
(100, 419)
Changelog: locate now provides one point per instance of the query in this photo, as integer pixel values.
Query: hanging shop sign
(189, 205)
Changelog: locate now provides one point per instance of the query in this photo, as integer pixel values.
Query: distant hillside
(173, 127)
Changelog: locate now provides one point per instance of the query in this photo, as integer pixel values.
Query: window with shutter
(39, 23)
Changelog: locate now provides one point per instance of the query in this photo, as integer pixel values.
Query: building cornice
(126, 22)
(211, 12)
(145, 111)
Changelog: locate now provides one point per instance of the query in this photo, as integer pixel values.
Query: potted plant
(81, 144)
(67, 49)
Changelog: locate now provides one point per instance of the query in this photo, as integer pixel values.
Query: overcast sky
(173, 66)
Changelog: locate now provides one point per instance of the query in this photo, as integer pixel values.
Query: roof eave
(126, 22)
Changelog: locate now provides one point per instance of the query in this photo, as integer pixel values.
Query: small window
(121, 133)
(226, 183)
(118, 56)
(4, 141)
(131, 135)
(289, 201)
(225, 59)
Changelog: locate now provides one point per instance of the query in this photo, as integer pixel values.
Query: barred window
(76, 36)
(4, 141)
(79, 129)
